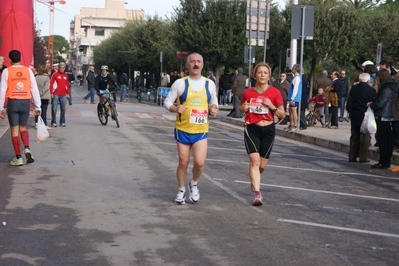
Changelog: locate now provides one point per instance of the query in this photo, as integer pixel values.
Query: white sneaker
(16, 162)
(194, 192)
(28, 155)
(180, 197)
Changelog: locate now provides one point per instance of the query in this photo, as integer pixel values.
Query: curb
(373, 153)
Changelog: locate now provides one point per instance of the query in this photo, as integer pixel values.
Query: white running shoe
(17, 162)
(28, 155)
(194, 192)
(180, 197)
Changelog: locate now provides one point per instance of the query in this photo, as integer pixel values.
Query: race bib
(198, 116)
(256, 106)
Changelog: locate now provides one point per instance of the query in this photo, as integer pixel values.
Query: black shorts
(18, 112)
(259, 139)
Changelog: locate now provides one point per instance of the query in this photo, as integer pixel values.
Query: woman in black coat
(383, 107)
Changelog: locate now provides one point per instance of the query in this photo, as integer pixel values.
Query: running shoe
(288, 128)
(194, 192)
(258, 199)
(62, 125)
(17, 162)
(28, 155)
(181, 197)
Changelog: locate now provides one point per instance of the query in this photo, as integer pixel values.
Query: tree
(61, 45)
(215, 29)
(39, 50)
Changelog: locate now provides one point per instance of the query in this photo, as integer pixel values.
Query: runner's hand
(181, 109)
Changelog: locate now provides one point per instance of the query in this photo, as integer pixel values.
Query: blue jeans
(90, 94)
(123, 91)
(342, 102)
(225, 96)
(54, 104)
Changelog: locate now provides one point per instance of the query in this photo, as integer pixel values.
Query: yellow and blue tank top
(194, 119)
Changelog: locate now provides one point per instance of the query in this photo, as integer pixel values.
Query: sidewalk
(334, 139)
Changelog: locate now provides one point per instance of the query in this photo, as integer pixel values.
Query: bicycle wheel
(310, 119)
(102, 114)
(114, 113)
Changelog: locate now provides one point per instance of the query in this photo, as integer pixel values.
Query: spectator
(344, 95)
(283, 87)
(304, 103)
(289, 75)
(71, 78)
(237, 91)
(123, 82)
(395, 122)
(323, 81)
(59, 95)
(211, 76)
(294, 97)
(383, 106)
(334, 95)
(320, 103)
(91, 78)
(360, 95)
(384, 64)
(225, 84)
(2, 66)
(43, 84)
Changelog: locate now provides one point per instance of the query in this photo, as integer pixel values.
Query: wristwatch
(275, 109)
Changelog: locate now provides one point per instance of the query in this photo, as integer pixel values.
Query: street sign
(248, 58)
(379, 53)
(288, 58)
(181, 54)
(296, 22)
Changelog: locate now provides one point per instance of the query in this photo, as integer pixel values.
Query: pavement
(334, 139)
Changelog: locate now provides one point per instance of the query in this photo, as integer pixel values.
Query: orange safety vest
(19, 83)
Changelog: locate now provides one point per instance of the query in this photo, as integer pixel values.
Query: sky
(65, 13)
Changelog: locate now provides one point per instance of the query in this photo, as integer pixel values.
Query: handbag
(368, 125)
(42, 132)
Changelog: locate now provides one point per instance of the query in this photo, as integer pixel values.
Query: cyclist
(102, 82)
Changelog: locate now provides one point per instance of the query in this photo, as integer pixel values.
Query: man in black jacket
(337, 85)
(225, 84)
(71, 78)
(359, 96)
(90, 85)
(123, 82)
(344, 95)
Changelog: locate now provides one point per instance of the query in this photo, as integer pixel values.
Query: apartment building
(94, 25)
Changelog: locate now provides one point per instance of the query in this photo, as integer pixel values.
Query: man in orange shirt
(18, 86)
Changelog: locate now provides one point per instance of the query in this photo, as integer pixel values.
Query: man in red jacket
(59, 91)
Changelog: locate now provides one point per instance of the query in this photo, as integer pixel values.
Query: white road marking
(143, 115)
(322, 191)
(339, 228)
(170, 117)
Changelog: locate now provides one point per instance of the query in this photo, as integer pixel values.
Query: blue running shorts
(187, 138)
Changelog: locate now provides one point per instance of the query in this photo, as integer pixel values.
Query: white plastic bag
(42, 132)
(368, 125)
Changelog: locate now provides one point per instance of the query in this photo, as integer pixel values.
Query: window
(99, 32)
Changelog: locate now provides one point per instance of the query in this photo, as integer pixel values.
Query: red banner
(17, 30)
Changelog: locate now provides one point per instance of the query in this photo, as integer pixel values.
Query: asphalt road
(101, 195)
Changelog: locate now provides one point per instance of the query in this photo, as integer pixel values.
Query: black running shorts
(18, 112)
(259, 139)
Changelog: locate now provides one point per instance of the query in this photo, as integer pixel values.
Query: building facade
(92, 26)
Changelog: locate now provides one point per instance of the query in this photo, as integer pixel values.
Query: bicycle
(313, 116)
(147, 95)
(104, 109)
(130, 95)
